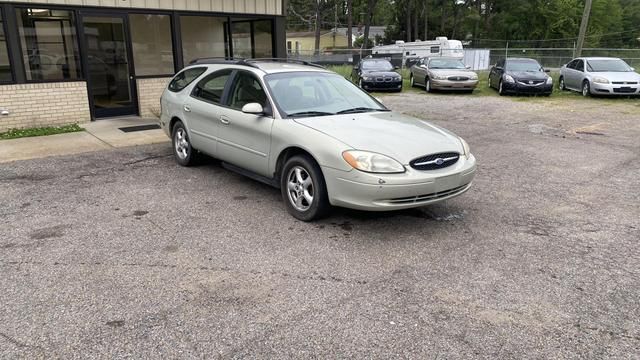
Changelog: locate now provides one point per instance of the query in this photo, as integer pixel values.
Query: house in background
(303, 43)
(64, 61)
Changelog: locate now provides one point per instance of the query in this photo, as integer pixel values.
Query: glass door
(108, 64)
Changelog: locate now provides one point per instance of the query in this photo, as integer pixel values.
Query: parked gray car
(443, 73)
(599, 76)
(315, 135)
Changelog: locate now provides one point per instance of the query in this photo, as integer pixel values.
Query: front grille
(624, 90)
(531, 82)
(428, 197)
(435, 161)
(458, 78)
(622, 83)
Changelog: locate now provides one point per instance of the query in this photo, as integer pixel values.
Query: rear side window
(183, 79)
(211, 88)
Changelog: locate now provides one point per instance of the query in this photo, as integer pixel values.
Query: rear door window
(184, 78)
(580, 65)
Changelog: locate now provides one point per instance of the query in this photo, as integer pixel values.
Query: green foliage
(41, 131)
(486, 23)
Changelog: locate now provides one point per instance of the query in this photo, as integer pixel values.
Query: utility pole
(583, 27)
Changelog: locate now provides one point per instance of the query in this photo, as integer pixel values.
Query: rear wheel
(586, 89)
(303, 189)
(183, 152)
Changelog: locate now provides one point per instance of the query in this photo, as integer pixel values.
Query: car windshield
(446, 64)
(608, 65)
(379, 65)
(523, 65)
(303, 94)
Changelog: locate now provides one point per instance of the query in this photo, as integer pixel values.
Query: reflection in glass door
(111, 85)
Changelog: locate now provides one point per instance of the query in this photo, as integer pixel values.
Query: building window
(5, 68)
(151, 41)
(241, 35)
(262, 38)
(203, 37)
(49, 44)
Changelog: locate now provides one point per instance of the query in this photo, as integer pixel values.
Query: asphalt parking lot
(124, 254)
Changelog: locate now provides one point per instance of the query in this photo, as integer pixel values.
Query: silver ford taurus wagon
(313, 134)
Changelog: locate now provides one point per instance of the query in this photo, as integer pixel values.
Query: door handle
(224, 120)
(186, 108)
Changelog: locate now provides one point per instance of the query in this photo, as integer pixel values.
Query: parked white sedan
(599, 76)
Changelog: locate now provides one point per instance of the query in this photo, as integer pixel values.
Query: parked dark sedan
(520, 76)
(376, 74)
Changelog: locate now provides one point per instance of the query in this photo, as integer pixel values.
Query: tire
(586, 89)
(561, 84)
(183, 152)
(360, 83)
(427, 85)
(411, 81)
(296, 189)
(501, 89)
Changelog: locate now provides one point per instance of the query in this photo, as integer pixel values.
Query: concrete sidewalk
(99, 135)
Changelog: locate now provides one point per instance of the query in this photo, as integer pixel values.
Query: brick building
(65, 61)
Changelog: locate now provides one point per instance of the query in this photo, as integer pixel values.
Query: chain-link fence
(477, 59)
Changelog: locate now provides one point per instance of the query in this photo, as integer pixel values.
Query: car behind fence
(476, 59)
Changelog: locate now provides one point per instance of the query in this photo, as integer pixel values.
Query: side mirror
(633, 69)
(356, 67)
(396, 67)
(498, 67)
(547, 70)
(253, 108)
(468, 67)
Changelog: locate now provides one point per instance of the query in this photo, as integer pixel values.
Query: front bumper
(382, 192)
(382, 85)
(614, 89)
(454, 85)
(519, 88)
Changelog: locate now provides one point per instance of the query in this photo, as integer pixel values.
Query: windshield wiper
(311, 113)
(359, 110)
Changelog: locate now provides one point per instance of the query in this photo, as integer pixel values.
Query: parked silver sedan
(443, 73)
(313, 134)
(599, 76)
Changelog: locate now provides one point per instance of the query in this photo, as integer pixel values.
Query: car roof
(599, 58)
(520, 59)
(268, 66)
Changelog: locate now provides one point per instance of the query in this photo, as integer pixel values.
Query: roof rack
(222, 60)
(286, 60)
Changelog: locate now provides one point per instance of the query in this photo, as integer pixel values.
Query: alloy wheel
(585, 89)
(300, 188)
(181, 142)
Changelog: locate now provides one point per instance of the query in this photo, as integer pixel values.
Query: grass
(40, 131)
(483, 88)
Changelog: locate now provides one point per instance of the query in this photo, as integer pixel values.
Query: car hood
(401, 137)
(617, 76)
(528, 75)
(379, 73)
(453, 72)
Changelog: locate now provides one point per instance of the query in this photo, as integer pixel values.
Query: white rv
(441, 46)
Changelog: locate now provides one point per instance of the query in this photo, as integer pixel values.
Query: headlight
(465, 148)
(372, 162)
(600, 80)
(549, 80)
(366, 78)
(438, 77)
(473, 76)
(508, 78)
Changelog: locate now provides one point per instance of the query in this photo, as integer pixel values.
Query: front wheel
(427, 85)
(360, 83)
(501, 89)
(411, 81)
(303, 189)
(586, 89)
(183, 152)
(561, 84)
